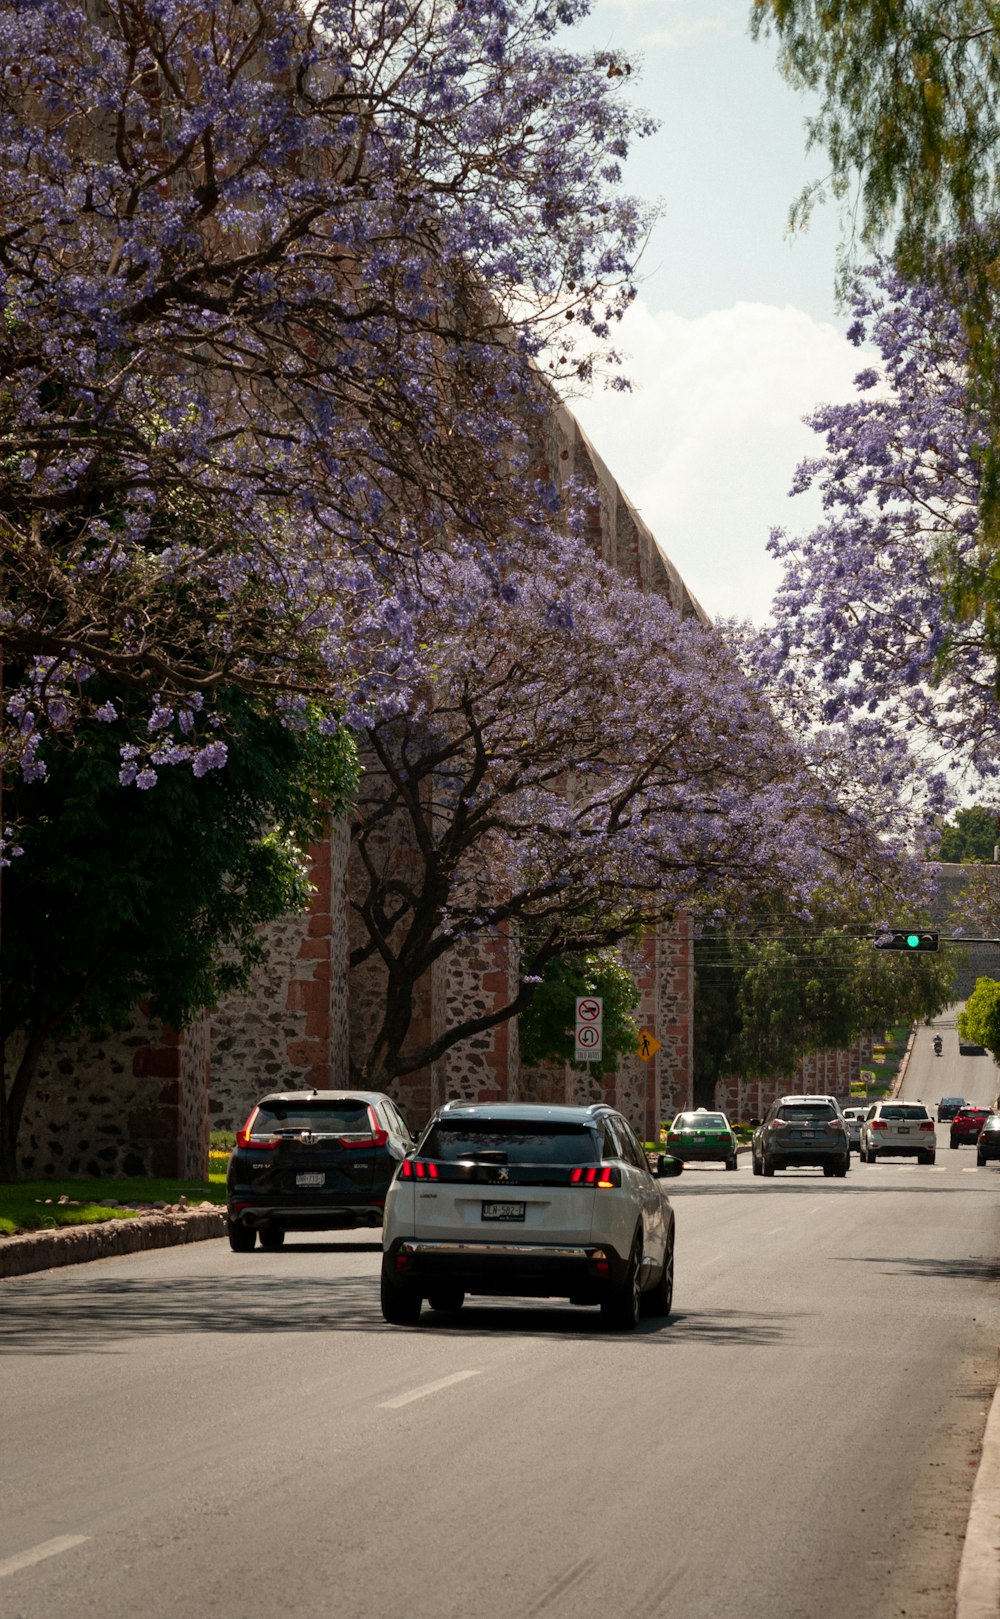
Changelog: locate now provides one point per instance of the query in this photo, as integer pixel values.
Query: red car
(966, 1125)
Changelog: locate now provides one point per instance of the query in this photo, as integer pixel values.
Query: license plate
(503, 1211)
(903, 1130)
(310, 1178)
(807, 1135)
(699, 1138)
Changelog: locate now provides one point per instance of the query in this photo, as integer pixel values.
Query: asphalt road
(196, 1432)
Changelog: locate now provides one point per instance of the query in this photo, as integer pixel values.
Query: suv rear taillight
(879, 1124)
(417, 1169)
(380, 1137)
(261, 1143)
(596, 1175)
(779, 1124)
(926, 1124)
(834, 1124)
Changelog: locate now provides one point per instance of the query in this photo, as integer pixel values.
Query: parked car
(988, 1145)
(898, 1130)
(855, 1116)
(518, 1199)
(948, 1107)
(312, 1161)
(702, 1137)
(966, 1125)
(802, 1130)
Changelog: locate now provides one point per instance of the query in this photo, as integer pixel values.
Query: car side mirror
(667, 1167)
(754, 1123)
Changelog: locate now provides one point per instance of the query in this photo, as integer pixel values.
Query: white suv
(520, 1200)
(898, 1130)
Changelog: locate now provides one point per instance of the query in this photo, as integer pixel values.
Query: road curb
(978, 1594)
(76, 1245)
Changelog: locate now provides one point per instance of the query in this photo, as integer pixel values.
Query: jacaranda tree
(580, 762)
(276, 282)
(883, 623)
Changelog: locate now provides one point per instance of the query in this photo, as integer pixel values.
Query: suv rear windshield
(322, 1118)
(806, 1110)
(900, 1111)
(510, 1142)
(699, 1121)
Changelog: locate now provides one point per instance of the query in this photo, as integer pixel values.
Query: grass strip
(47, 1204)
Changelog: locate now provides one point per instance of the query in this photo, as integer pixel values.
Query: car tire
(271, 1236)
(241, 1237)
(980, 1159)
(829, 1170)
(446, 1299)
(731, 1163)
(400, 1305)
(757, 1167)
(953, 1144)
(840, 1170)
(766, 1167)
(658, 1300)
(620, 1310)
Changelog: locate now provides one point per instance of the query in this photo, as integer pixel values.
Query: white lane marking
(38, 1554)
(425, 1389)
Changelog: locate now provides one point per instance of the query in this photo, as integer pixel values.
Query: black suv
(802, 1130)
(312, 1161)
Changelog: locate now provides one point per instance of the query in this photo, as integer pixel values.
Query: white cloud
(707, 443)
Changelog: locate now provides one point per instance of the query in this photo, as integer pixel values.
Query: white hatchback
(520, 1200)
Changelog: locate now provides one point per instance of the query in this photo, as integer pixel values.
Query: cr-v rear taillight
(879, 1124)
(379, 1136)
(596, 1175)
(261, 1143)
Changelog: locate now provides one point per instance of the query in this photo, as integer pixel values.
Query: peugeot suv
(312, 1161)
(521, 1200)
(802, 1131)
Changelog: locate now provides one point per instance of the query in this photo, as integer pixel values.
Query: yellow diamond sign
(647, 1046)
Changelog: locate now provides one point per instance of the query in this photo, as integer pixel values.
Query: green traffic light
(913, 941)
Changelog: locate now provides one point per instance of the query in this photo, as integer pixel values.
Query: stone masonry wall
(134, 1103)
(291, 1030)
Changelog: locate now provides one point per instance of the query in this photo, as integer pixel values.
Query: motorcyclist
(937, 1045)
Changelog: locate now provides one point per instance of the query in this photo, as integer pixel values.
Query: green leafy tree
(122, 895)
(972, 835)
(979, 1020)
(764, 999)
(547, 1027)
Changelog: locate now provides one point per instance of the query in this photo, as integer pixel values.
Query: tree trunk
(12, 1102)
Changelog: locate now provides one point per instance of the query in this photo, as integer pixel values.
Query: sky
(736, 334)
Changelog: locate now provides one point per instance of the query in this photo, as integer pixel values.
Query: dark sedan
(988, 1145)
(949, 1106)
(312, 1161)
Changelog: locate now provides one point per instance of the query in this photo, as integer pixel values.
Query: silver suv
(802, 1130)
(523, 1200)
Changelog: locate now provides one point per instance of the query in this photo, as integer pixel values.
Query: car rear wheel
(756, 1166)
(980, 1159)
(400, 1305)
(446, 1298)
(271, 1236)
(241, 1237)
(731, 1162)
(828, 1172)
(953, 1144)
(620, 1310)
(659, 1298)
(766, 1167)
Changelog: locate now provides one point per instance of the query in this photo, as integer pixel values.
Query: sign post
(588, 1046)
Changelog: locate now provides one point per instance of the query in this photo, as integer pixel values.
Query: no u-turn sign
(589, 1028)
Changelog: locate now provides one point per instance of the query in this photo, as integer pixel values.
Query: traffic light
(906, 939)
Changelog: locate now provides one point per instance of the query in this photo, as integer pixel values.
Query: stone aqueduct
(142, 1102)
